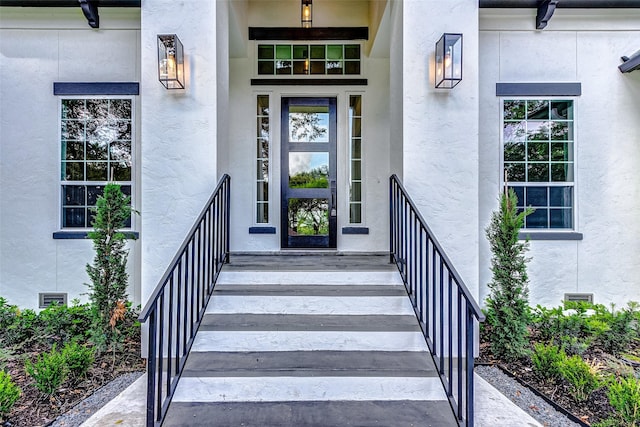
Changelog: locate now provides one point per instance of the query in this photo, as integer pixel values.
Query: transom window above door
(309, 59)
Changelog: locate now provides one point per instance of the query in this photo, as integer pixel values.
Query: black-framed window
(309, 59)
(96, 141)
(538, 159)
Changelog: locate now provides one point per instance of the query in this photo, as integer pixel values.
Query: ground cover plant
(52, 369)
(51, 360)
(583, 356)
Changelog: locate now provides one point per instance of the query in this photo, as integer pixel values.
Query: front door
(308, 181)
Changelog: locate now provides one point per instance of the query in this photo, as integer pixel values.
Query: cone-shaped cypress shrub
(508, 301)
(108, 273)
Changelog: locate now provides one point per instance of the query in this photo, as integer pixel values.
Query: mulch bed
(35, 409)
(596, 408)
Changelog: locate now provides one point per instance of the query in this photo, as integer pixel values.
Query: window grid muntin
(77, 212)
(263, 132)
(546, 214)
(299, 59)
(356, 211)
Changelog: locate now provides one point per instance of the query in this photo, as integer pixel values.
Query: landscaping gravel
(530, 402)
(89, 406)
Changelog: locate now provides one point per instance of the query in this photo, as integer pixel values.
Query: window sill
(355, 230)
(262, 230)
(558, 235)
(79, 235)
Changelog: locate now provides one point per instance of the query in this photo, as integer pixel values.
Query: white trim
(269, 203)
(363, 222)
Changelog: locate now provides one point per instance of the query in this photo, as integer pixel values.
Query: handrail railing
(177, 305)
(445, 308)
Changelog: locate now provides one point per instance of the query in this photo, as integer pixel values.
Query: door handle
(334, 211)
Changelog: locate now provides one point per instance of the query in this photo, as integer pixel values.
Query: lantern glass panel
(170, 61)
(448, 61)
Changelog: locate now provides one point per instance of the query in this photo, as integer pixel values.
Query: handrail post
(440, 281)
(391, 219)
(198, 252)
(227, 209)
(151, 369)
(470, 352)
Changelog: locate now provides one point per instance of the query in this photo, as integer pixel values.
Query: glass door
(308, 181)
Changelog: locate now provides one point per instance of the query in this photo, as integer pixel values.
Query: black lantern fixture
(306, 16)
(170, 61)
(448, 61)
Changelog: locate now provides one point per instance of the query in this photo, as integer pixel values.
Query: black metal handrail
(445, 308)
(178, 303)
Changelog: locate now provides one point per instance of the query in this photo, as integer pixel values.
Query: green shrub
(9, 394)
(624, 396)
(547, 360)
(507, 304)
(49, 371)
(18, 327)
(581, 379)
(609, 422)
(78, 359)
(620, 332)
(574, 345)
(63, 323)
(553, 324)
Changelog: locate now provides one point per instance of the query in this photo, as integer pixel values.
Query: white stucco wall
(179, 130)
(396, 89)
(440, 129)
(577, 46)
(39, 46)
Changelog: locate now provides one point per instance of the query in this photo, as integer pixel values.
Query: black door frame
(329, 193)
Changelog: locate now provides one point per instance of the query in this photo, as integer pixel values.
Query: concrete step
(309, 348)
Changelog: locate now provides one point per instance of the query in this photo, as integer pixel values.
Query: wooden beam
(545, 12)
(90, 10)
(308, 82)
(68, 3)
(630, 64)
(315, 33)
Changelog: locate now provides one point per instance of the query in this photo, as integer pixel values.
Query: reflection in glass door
(308, 181)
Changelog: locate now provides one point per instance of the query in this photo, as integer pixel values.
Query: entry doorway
(308, 179)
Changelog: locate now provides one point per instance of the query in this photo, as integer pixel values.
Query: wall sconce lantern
(306, 13)
(448, 61)
(170, 61)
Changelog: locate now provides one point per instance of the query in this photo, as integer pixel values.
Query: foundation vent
(579, 297)
(45, 300)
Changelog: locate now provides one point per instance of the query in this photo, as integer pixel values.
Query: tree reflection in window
(96, 145)
(308, 217)
(538, 148)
